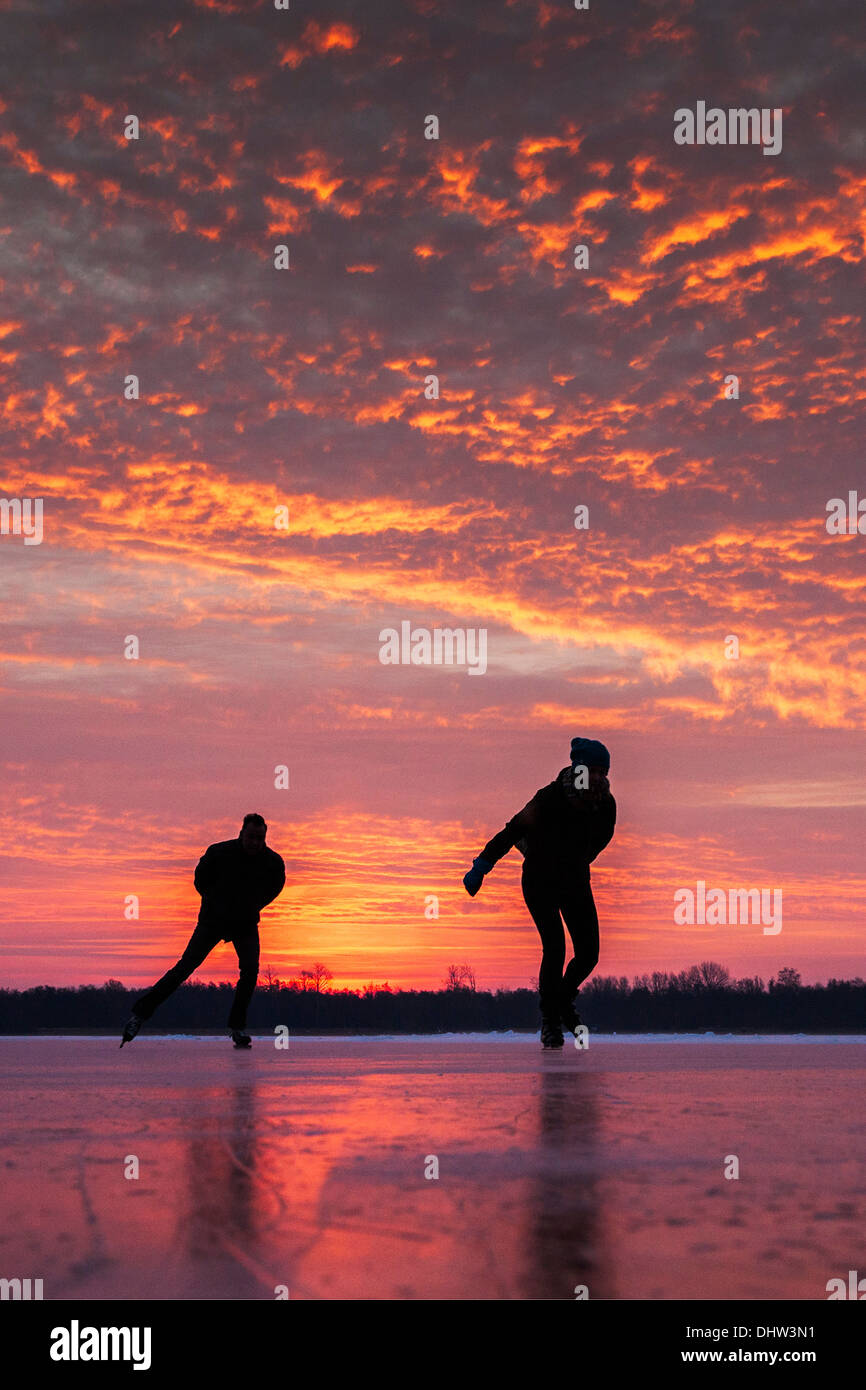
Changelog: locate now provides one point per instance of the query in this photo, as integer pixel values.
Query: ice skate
(240, 1038)
(571, 1019)
(551, 1032)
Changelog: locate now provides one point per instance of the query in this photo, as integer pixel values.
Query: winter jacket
(235, 886)
(560, 831)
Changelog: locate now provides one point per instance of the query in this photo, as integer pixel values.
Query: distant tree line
(703, 998)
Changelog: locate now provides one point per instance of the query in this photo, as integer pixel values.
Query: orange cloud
(319, 39)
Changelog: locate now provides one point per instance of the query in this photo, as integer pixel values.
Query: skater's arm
(276, 882)
(206, 874)
(511, 832)
(603, 827)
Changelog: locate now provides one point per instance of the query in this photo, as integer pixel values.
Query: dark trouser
(201, 943)
(546, 896)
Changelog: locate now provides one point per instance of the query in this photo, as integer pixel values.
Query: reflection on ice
(304, 1170)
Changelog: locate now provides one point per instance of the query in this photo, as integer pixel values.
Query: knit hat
(589, 752)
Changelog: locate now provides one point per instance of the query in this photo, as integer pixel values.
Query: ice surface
(306, 1167)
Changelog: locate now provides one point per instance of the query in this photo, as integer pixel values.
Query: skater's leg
(580, 916)
(544, 911)
(247, 947)
(200, 944)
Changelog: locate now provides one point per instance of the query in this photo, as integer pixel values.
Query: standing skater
(236, 879)
(559, 833)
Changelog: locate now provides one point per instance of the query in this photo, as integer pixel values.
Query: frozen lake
(305, 1167)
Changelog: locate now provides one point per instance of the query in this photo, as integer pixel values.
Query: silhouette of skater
(560, 832)
(236, 879)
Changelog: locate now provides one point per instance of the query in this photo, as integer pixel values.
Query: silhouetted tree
(460, 977)
(713, 975)
(700, 999)
(320, 975)
(750, 985)
(690, 981)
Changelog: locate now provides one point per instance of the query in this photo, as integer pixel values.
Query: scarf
(583, 798)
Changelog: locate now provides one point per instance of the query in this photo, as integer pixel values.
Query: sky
(695, 380)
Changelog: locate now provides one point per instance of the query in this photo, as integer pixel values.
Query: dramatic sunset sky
(304, 388)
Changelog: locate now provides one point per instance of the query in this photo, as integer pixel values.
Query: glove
(473, 880)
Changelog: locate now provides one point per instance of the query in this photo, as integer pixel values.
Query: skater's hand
(474, 879)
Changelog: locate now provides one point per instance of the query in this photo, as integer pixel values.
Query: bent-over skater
(236, 879)
(560, 832)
